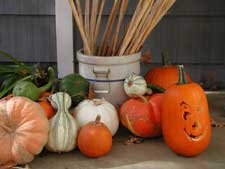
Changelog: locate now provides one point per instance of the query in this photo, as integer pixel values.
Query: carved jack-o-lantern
(185, 118)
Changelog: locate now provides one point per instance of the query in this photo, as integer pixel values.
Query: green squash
(76, 86)
(30, 90)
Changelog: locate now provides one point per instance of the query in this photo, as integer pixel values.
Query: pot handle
(103, 74)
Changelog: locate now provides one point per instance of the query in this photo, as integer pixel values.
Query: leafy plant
(18, 71)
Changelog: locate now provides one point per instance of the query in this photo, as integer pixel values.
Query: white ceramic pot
(107, 74)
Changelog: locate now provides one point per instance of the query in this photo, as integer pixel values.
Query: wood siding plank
(27, 7)
(29, 38)
(181, 7)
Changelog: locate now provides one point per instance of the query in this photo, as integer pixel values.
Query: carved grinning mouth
(193, 137)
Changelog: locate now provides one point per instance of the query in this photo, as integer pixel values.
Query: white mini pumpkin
(88, 110)
(135, 86)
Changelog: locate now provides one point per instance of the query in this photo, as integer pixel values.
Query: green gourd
(30, 90)
(76, 86)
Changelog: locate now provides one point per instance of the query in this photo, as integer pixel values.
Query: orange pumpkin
(45, 94)
(139, 117)
(164, 76)
(23, 131)
(95, 139)
(185, 118)
(47, 107)
(7, 97)
(156, 100)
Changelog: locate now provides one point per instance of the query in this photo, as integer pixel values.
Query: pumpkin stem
(143, 98)
(98, 119)
(6, 128)
(155, 88)
(165, 59)
(182, 77)
(130, 83)
(97, 102)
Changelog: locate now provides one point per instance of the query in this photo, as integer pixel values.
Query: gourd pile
(39, 111)
(61, 118)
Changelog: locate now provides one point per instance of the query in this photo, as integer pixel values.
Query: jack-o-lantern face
(185, 119)
(192, 122)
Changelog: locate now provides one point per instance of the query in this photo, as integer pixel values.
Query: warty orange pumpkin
(23, 131)
(185, 118)
(141, 116)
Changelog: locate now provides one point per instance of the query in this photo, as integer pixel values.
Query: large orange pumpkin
(164, 76)
(23, 131)
(185, 118)
(95, 139)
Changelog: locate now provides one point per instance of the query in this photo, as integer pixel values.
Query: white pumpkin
(88, 110)
(135, 86)
(63, 128)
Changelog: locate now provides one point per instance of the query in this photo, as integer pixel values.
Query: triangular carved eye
(185, 115)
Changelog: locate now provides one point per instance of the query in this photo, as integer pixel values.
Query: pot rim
(109, 60)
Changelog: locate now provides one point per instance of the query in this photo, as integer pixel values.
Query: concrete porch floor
(151, 154)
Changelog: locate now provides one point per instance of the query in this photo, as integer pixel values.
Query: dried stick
(99, 20)
(154, 10)
(80, 27)
(112, 47)
(128, 29)
(156, 21)
(164, 10)
(134, 26)
(103, 45)
(122, 38)
(145, 20)
(86, 19)
(93, 23)
(79, 11)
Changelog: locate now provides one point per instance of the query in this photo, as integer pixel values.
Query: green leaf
(10, 57)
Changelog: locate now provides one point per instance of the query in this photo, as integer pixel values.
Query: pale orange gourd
(23, 131)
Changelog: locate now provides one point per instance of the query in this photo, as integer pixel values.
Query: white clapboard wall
(193, 33)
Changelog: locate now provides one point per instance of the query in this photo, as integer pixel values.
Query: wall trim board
(64, 38)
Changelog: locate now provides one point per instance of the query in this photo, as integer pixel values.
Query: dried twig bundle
(146, 16)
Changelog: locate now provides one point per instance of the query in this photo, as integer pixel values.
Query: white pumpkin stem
(130, 83)
(97, 102)
(98, 119)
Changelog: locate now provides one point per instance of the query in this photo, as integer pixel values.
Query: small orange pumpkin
(23, 131)
(95, 139)
(185, 118)
(164, 76)
(45, 94)
(47, 107)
